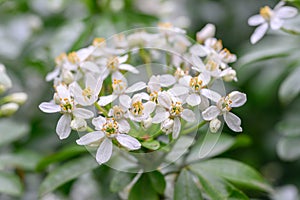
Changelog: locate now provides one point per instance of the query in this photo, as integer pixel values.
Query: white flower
(113, 64)
(121, 89)
(214, 125)
(170, 112)
(5, 82)
(223, 107)
(19, 98)
(268, 17)
(139, 110)
(68, 108)
(208, 31)
(78, 124)
(119, 113)
(196, 89)
(8, 109)
(89, 94)
(107, 130)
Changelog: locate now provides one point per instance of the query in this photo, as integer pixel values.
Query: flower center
(225, 104)
(110, 127)
(73, 58)
(179, 73)
(118, 112)
(211, 65)
(266, 13)
(98, 41)
(59, 59)
(137, 108)
(112, 64)
(66, 105)
(165, 25)
(87, 93)
(217, 46)
(154, 97)
(176, 109)
(196, 83)
(118, 86)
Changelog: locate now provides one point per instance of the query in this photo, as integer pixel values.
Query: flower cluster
(96, 78)
(9, 104)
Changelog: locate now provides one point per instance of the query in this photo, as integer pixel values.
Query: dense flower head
(103, 83)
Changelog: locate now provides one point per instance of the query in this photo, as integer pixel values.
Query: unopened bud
(147, 123)
(67, 77)
(78, 124)
(214, 125)
(230, 76)
(5, 81)
(167, 126)
(8, 109)
(18, 98)
(208, 31)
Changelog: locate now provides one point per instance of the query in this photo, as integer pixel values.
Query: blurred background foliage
(34, 32)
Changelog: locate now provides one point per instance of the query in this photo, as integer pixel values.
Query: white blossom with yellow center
(273, 18)
(108, 129)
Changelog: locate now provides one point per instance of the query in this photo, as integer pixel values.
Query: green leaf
(25, 160)
(158, 181)
(11, 131)
(67, 172)
(217, 188)
(10, 184)
(186, 188)
(236, 172)
(120, 180)
(152, 144)
(64, 154)
(142, 189)
(288, 148)
(210, 145)
(290, 87)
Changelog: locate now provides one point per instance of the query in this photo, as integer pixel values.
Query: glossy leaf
(157, 180)
(217, 188)
(67, 172)
(235, 172)
(120, 180)
(11, 131)
(142, 189)
(290, 87)
(10, 184)
(152, 145)
(186, 188)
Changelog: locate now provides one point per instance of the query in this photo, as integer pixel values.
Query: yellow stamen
(73, 58)
(266, 12)
(196, 83)
(176, 109)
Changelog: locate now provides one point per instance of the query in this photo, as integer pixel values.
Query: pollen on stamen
(73, 57)
(266, 12)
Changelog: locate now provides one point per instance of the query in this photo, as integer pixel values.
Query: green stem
(289, 31)
(191, 129)
(101, 109)
(147, 60)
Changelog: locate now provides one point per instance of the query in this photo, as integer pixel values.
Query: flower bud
(147, 123)
(5, 81)
(67, 77)
(167, 126)
(56, 98)
(208, 31)
(214, 125)
(230, 76)
(18, 98)
(78, 124)
(8, 109)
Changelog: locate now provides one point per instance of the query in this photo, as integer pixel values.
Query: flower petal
(49, 107)
(188, 115)
(136, 87)
(198, 50)
(98, 122)
(166, 80)
(259, 33)
(164, 100)
(256, 20)
(238, 98)
(90, 66)
(212, 95)
(83, 113)
(276, 23)
(104, 151)
(123, 59)
(128, 142)
(124, 101)
(149, 107)
(210, 113)
(104, 100)
(160, 117)
(90, 138)
(193, 99)
(233, 122)
(124, 126)
(129, 68)
(176, 127)
(286, 12)
(63, 128)
(179, 90)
